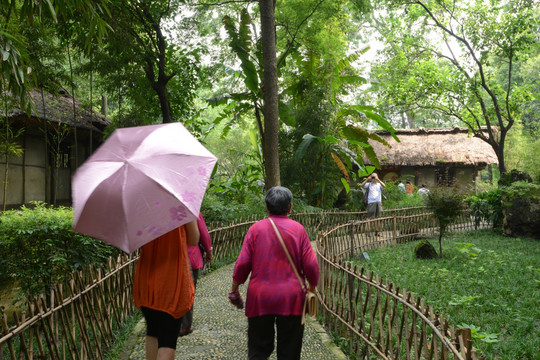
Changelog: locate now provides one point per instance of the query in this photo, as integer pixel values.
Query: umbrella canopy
(141, 183)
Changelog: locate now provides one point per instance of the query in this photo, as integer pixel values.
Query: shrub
(446, 204)
(394, 198)
(487, 206)
(217, 209)
(39, 248)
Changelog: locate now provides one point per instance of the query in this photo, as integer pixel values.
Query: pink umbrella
(140, 184)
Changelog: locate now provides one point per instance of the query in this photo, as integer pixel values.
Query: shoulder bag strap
(288, 255)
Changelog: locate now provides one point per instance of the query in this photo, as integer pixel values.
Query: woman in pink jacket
(274, 294)
(196, 262)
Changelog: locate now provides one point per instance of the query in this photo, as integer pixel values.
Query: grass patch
(123, 336)
(485, 281)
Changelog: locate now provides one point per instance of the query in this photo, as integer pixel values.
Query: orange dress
(162, 277)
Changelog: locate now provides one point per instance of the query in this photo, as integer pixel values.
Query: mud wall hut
(56, 137)
(444, 157)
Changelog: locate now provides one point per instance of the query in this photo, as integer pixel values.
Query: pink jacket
(273, 287)
(194, 253)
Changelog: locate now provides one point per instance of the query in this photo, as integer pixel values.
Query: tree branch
(473, 55)
(291, 42)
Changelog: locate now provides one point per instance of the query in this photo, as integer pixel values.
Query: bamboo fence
(77, 320)
(379, 319)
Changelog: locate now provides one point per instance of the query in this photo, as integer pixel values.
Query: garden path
(220, 329)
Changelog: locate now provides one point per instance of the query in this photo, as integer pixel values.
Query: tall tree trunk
(161, 90)
(104, 105)
(441, 232)
(4, 92)
(500, 152)
(75, 122)
(410, 120)
(160, 87)
(270, 94)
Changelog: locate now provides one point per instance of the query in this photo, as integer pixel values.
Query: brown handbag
(311, 303)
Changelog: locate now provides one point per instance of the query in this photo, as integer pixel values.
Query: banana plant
(347, 152)
(249, 52)
(344, 157)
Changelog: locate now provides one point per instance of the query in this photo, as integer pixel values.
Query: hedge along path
(76, 320)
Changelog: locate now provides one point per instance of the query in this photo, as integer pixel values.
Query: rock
(424, 250)
(521, 210)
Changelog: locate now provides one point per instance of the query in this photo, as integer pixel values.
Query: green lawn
(484, 280)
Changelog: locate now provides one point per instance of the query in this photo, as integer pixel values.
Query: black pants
(162, 326)
(261, 337)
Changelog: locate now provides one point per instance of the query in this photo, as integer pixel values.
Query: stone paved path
(221, 329)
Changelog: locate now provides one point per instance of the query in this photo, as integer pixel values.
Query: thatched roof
(59, 109)
(430, 147)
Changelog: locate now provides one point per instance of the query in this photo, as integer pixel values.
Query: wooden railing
(76, 320)
(227, 239)
(377, 317)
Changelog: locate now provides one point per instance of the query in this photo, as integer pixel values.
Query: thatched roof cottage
(57, 136)
(448, 156)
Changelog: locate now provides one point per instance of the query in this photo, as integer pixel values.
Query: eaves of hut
(59, 133)
(448, 156)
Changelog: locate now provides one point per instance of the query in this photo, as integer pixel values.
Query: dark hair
(278, 200)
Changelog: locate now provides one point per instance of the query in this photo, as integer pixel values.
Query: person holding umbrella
(163, 288)
(143, 188)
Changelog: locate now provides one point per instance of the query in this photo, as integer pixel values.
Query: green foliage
(240, 187)
(39, 247)
(496, 293)
(477, 335)
(521, 142)
(456, 61)
(469, 249)
(486, 206)
(520, 189)
(220, 209)
(17, 16)
(446, 204)
(216, 208)
(394, 198)
(463, 301)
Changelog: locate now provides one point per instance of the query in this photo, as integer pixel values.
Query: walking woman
(275, 297)
(163, 288)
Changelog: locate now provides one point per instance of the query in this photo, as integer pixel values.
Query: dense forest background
(286, 92)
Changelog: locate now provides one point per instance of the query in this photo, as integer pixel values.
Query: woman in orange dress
(163, 288)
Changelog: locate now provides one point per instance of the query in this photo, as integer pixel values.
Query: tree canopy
(447, 58)
(290, 75)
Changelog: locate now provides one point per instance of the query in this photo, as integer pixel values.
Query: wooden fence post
(351, 237)
(464, 339)
(394, 230)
